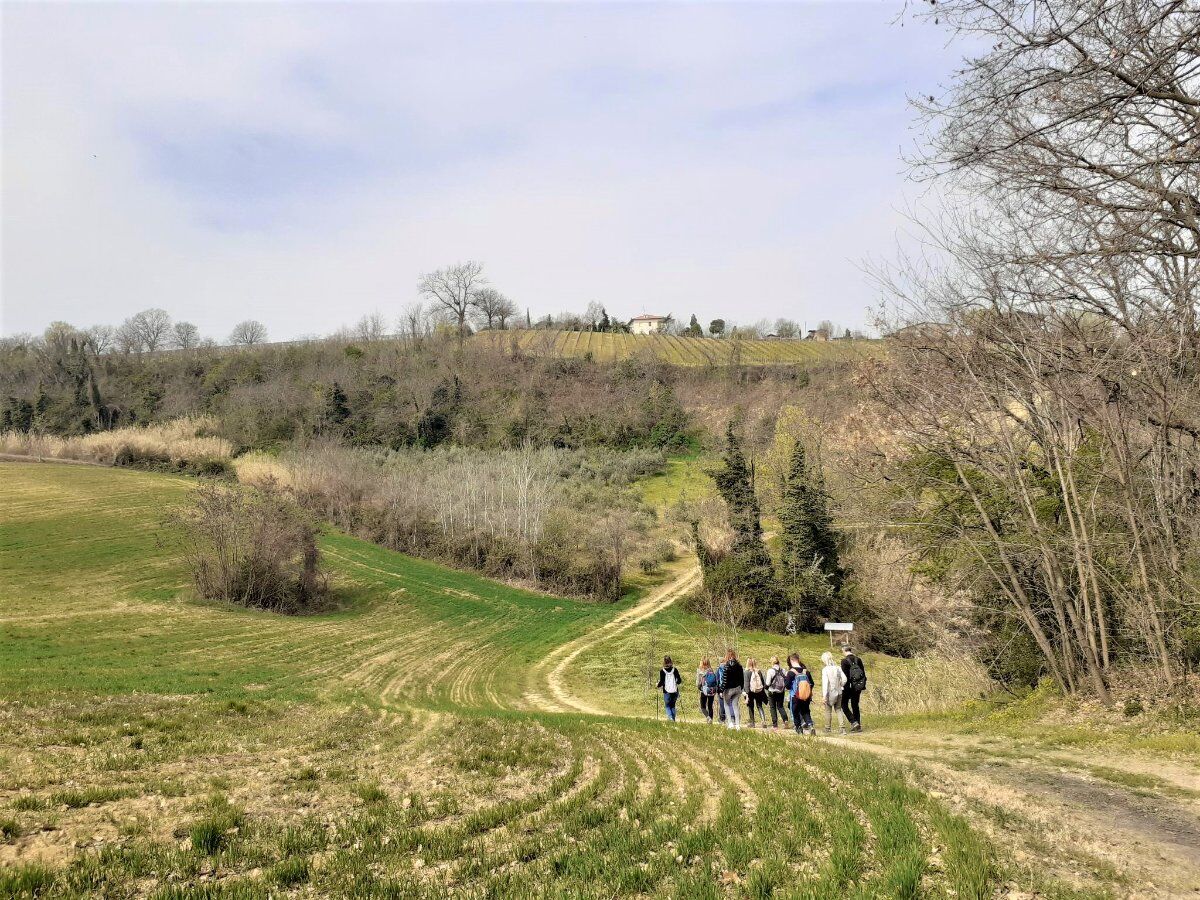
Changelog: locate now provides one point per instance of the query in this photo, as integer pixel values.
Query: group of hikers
(788, 691)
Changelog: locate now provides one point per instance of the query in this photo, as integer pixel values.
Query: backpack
(778, 682)
(803, 689)
(756, 684)
(858, 675)
(710, 682)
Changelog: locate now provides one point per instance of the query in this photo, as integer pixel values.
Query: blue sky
(304, 164)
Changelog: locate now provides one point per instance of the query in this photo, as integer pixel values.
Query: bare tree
(492, 307)
(786, 328)
(453, 289)
(147, 330)
(371, 327)
(414, 322)
(100, 338)
(505, 310)
(128, 338)
(1047, 380)
(248, 333)
(185, 335)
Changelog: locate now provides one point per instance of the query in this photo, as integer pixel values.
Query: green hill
(680, 351)
(159, 746)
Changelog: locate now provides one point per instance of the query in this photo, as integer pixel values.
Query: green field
(153, 745)
(680, 351)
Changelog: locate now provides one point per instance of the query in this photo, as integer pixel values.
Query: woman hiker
(706, 684)
(833, 682)
(800, 693)
(756, 692)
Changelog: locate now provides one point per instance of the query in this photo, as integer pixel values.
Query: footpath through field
(1135, 827)
(557, 696)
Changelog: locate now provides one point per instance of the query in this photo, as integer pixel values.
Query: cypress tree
(746, 572)
(807, 535)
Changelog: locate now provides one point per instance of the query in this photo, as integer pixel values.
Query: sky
(304, 164)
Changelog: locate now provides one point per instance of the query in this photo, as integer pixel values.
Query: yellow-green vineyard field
(680, 351)
(402, 746)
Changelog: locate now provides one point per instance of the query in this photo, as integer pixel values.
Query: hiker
(756, 691)
(720, 703)
(833, 683)
(856, 682)
(706, 684)
(776, 679)
(733, 682)
(669, 680)
(799, 685)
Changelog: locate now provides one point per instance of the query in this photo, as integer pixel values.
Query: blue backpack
(710, 682)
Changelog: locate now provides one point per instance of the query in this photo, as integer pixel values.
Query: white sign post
(834, 627)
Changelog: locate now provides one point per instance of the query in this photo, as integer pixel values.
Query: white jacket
(833, 679)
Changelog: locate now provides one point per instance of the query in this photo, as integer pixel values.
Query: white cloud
(304, 163)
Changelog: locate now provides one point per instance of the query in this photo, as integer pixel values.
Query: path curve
(550, 672)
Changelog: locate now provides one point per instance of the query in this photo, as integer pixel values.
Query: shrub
(255, 548)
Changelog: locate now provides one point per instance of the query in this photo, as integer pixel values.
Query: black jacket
(851, 664)
(662, 679)
(732, 676)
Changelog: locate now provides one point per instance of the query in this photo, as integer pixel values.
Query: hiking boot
(857, 726)
(842, 732)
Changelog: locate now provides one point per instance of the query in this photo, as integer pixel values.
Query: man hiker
(856, 683)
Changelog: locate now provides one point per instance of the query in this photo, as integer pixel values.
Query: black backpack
(858, 674)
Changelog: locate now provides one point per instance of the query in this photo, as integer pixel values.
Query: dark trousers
(777, 710)
(706, 706)
(802, 712)
(758, 700)
(850, 705)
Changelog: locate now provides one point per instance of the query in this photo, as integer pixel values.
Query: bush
(255, 548)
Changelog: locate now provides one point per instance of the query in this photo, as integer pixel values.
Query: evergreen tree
(746, 572)
(808, 543)
(337, 408)
(694, 328)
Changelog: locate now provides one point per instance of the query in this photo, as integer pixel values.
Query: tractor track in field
(551, 671)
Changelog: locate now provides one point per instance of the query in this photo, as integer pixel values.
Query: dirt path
(550, 673)
(1129, 824)
(1065, 812)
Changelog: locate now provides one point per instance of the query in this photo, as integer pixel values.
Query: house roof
(646, 317)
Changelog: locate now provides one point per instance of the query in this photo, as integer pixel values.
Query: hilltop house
(647, 324)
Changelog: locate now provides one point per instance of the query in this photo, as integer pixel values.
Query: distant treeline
(417, 392)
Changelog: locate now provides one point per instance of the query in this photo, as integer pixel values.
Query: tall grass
(181, 441)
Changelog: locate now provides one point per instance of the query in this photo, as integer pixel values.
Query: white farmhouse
(647, 324)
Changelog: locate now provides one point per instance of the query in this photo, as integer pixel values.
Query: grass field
(153, 745)
(680, 351)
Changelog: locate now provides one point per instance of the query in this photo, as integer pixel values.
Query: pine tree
(807, 540)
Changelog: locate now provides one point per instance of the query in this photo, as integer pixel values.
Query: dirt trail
(1059, 811)
(552, 669)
